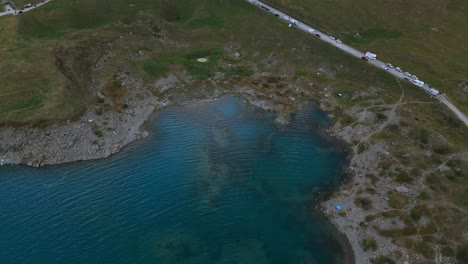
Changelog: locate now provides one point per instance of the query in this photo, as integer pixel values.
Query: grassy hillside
(35, 88)
(428, 38)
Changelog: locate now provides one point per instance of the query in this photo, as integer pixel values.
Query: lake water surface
(215, 182)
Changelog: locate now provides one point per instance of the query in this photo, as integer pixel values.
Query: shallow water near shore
(215, 182)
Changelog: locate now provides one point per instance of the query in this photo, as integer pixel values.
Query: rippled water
(214, 183)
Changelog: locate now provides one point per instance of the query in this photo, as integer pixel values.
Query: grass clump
(425, 249)
(462, 254)
(382, 260)
(157, 66)
(369, 244)
(415, 215)
(424, 136)
(397, 200)
(363, 202)
(97, 132)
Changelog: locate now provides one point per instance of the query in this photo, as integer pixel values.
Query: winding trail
(354, 52)
(390, 117)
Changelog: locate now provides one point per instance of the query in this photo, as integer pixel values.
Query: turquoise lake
(216, 182)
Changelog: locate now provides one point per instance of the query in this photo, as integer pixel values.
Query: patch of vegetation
(369, 35)
(381, 116)
(415, 215)
(361, 148)
(240, 72)
(114, 90)
(408, 230)
(403, 242)
(211, 21)
(382, 260)
(369, 244)
(403, 177)
(159, 65)
(425, 249)
(461, 197)
(40, 123)
(97, 132)
(363, 202)
(462, 254)
(424, 136)
(397, 200)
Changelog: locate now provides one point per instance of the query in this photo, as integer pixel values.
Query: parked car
(318, 35)
(364, 58)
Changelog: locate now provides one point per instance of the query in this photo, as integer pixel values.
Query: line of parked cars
(367, 56)
(408, 76)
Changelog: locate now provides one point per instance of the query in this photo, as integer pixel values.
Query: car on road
(318, 35)
(311, 30)
(385, 67)
(364, 58)
(370, 55)
(286, 18)
(338, 41)
(389, 66)
(332, 38)
(398, 69)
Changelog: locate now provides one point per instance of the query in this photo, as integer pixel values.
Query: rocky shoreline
(96, 136)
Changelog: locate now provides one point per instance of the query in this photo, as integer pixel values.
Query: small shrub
(369, 244)
(424, 136)
(462, 254)
(403, 177)
(97, 132)
(40, 123)
(397, 201)
(382, 260)
(381, 116)
(415, 215)
(371, 190)
(461, 197)
(363, 202)
(361, 148)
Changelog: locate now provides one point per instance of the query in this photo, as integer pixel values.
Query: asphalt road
(356, 53)
(8, 11)
(11, 11)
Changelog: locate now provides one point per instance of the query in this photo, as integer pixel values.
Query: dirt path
(390, 117)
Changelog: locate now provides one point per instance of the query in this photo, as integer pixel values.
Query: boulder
(402, 189)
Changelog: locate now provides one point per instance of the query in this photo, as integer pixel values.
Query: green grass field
(34, 88)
